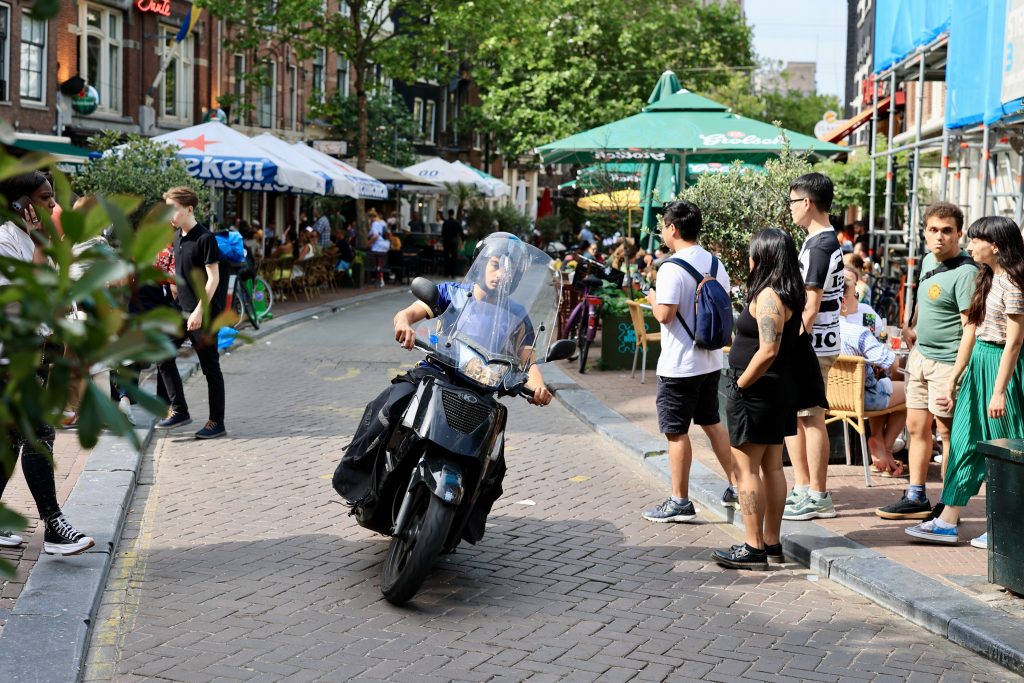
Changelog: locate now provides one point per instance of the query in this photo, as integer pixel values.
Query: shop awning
(834, 136)
(69, 157)
(396, 178)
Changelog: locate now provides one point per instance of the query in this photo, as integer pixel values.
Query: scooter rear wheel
(411, 556)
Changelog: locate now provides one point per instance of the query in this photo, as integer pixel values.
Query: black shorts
(681, 400)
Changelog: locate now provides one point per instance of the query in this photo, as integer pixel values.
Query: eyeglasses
(798, 199)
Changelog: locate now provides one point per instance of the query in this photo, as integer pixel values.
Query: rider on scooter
(486, 292)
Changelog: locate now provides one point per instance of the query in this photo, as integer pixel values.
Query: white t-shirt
(15, 244)
(680, 357)
(378, 243)
(865, 316)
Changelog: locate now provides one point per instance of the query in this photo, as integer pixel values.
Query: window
(176, 91)
(342, 77)
(268, 90)
(417, 116)
(293, 96)
(33, 58)
(428, 120)
(319, 59)
(5, 50)
(101, 56)
(238, 108)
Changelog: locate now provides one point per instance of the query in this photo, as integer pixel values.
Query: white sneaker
(125, 406)
(937, 458)
(9, 539)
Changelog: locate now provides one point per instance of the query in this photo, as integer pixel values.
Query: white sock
(943, 525)
(801, 490)
(817, 495)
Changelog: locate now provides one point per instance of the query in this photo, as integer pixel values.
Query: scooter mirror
(425, 290)
(560, 350)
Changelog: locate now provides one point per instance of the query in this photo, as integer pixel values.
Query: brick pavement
(239, 563)
(962, 567)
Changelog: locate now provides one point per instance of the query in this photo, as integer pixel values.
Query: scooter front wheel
(411, 555)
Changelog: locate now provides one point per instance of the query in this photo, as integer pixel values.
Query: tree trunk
(362, 143)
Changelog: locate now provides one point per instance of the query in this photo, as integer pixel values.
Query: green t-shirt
(940, 299)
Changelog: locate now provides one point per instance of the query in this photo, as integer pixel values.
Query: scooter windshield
(503, 313)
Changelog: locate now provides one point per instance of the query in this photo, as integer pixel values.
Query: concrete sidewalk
(48, 609)
(944, 589)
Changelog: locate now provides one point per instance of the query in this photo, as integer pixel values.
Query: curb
(47, 633)
(968, 622)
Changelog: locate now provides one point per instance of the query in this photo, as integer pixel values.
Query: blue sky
(803, 31)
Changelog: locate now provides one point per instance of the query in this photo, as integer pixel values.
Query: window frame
(5, 54)
(271, 67)
(238, 87)
(430, 121)
(184, 77)
(293, 96)
(319, 72)
(343, 77)
(111, 95)
(43, 49)
(417, 118)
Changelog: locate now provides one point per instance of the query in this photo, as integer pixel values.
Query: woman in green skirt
(990, 401)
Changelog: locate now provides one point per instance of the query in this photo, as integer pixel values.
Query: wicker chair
(636, 314)
(845, 393)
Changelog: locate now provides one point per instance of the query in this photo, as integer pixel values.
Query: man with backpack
(690, 363)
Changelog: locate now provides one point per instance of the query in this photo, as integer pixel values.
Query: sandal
(898, 472)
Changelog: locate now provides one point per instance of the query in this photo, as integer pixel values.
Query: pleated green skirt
(971, 423)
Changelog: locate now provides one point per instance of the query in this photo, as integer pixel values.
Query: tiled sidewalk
(961, 567)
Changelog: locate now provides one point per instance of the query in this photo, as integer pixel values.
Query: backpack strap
(949, 264)
(685, 265)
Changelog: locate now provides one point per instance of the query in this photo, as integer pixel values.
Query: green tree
(140, 167)
(738, 203)
(390, 127)
(550, 69)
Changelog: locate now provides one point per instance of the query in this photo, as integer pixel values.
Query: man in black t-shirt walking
(196, 264)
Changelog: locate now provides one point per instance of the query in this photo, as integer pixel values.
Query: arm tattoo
(769, 334)
(748, 502)
(768, 307)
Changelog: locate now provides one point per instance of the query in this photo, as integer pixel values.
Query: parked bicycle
(249, 295)
(584, 319)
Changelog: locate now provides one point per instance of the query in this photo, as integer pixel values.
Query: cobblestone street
(239, 561)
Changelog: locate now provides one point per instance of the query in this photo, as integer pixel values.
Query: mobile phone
(21, 204)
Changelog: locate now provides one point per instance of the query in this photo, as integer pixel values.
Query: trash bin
(618, 342)
(1004, 499)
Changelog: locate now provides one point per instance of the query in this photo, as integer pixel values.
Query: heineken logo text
(212, 168)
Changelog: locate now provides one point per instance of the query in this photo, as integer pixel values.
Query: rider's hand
(404, 334)
(541, 396)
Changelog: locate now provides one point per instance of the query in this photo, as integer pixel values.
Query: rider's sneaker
(9, 539)
(809, 507)
(671, 511)
(63, 539)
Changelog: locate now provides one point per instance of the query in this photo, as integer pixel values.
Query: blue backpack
(712, 305)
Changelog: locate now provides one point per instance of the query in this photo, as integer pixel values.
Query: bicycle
(884, 300)
(583, 320)
(249, 295)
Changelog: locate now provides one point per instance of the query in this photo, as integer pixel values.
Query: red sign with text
(161, 7)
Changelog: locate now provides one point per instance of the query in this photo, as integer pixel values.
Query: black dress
(764, 412)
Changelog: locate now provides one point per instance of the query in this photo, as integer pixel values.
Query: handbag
(810, 387)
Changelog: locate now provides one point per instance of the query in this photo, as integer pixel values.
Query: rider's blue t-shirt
(489, 321)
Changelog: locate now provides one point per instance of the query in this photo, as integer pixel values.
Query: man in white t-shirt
(687, 375)
(821, 264)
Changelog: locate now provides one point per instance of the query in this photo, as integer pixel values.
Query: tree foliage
(390, 126)
(141, 167)
(550, 69)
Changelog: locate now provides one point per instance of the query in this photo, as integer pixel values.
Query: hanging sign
(161, 7)
(85, 102)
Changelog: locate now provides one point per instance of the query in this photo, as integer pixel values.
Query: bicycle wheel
(262, 298)
(572, 331)
(247, 306)
(583, 341)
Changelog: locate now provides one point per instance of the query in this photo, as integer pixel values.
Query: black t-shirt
(192, 253)
(451, 232)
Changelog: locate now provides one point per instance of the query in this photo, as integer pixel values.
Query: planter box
(1004, 499)
(618, 342)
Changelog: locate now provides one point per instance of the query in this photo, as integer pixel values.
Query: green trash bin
(618, 342)
(1004, 499)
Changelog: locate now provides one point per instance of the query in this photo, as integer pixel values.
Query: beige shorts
(825, 363)
(926, 383)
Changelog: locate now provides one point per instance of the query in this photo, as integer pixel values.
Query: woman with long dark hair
(761, 400)
(27, 196)
(990, 401)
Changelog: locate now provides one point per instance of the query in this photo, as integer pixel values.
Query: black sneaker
(173, 420)
(936, 511)
(211, 431)
(774, 552)
(9, 539)
(63, 539)
(905, 508)
(742, 557)
(730, 499)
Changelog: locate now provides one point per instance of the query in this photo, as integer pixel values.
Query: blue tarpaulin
(902, 26)
(974, 64)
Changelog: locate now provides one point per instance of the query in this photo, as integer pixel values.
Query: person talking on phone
(26, 196)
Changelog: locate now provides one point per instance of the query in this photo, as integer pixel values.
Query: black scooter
(442, 466)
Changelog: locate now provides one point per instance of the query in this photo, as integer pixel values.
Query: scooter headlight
(489, 375)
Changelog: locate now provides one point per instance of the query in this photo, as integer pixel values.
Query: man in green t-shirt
(943, 297)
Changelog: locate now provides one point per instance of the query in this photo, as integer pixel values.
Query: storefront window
(102, 61)
(33, 58)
